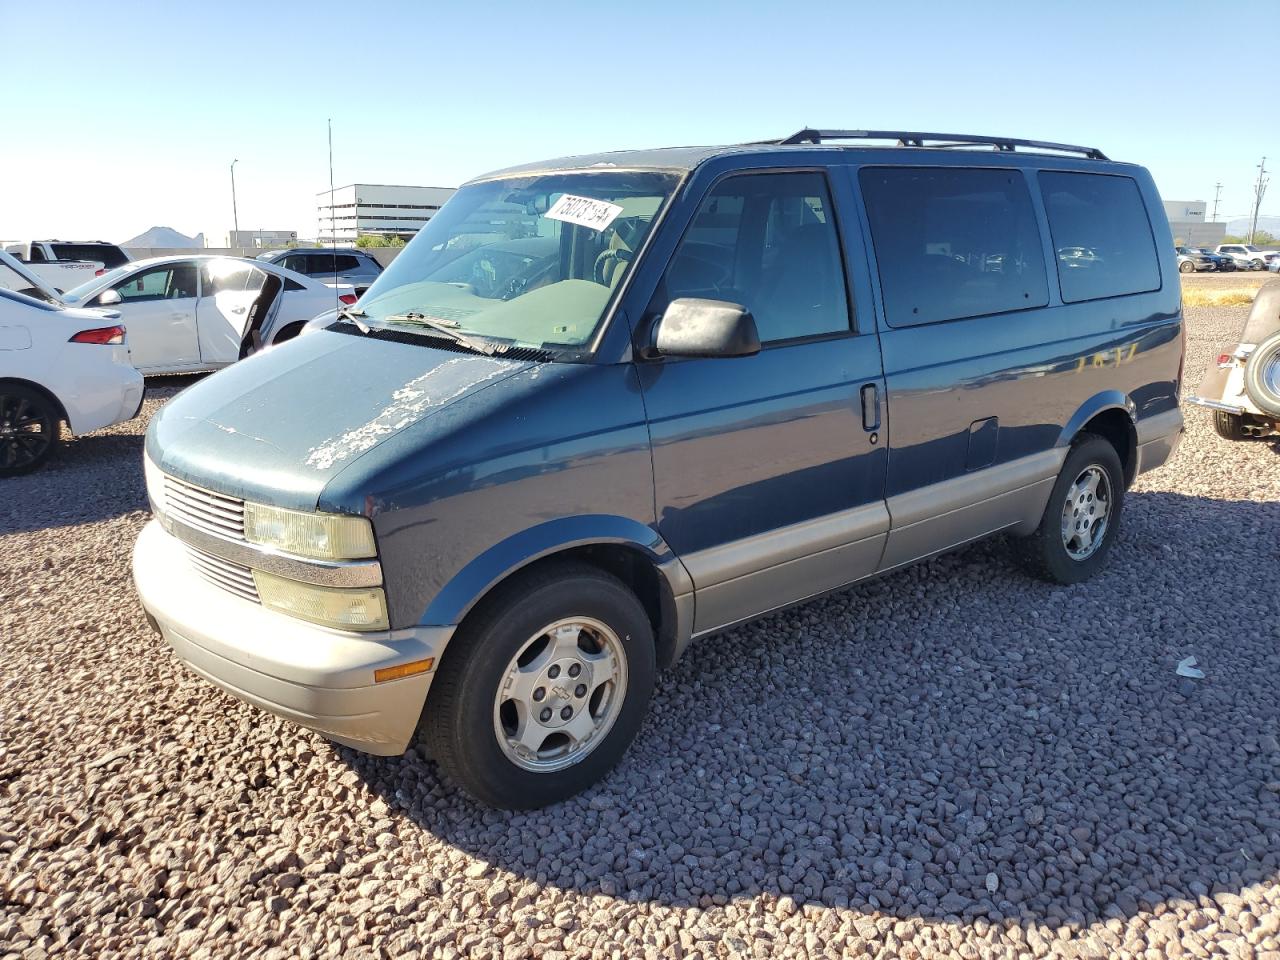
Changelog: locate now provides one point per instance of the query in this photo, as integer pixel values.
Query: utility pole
(1217, 192)
(1259, 189)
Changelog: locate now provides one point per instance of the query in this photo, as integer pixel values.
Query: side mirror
(108, 298)
(691, 327)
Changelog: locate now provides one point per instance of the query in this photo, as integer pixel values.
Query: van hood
(279, 426)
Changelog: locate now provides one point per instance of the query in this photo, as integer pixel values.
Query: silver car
(329, 265)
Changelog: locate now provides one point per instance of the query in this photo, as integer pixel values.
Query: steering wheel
(606, 257)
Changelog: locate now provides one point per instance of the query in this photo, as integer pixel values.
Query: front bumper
(319, 678)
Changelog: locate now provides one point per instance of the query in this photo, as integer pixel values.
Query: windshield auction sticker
(585, 212)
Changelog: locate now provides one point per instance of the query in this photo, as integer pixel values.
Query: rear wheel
(1257, 264)
(543, 689)
(1228, 425)
(29, 426)
(1082, 518)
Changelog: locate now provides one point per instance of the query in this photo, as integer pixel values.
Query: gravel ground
(955, 760)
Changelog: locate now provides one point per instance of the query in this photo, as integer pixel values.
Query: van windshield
(521, 262)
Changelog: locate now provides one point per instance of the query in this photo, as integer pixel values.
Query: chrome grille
(203, 509)
(223, 573)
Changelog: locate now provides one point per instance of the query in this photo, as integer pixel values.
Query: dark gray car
(329, 265)
(605, 406)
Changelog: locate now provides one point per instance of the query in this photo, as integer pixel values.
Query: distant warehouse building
(1187, 221)
(386, 209)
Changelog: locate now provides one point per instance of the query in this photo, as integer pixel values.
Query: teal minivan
(603, 406)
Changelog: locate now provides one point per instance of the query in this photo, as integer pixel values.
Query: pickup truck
(1255, 257)
(106, 255)
(64, 264)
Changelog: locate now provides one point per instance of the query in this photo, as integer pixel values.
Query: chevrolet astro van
(603, 406)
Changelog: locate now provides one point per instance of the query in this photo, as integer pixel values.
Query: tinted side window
(953, 243)
(1101, 235)
(345, 263)
(320, 264)
(767, 241)
(297, 262)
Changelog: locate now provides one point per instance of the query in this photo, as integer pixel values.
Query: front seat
(801, 290)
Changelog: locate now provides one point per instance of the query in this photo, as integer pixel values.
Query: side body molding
(471, 583)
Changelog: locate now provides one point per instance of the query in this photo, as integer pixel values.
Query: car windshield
(89, 287)
(521, 262)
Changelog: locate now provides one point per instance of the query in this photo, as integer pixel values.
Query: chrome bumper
(1216, 405)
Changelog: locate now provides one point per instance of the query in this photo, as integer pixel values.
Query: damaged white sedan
(192, 313)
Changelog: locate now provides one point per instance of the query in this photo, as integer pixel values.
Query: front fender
(474, 580)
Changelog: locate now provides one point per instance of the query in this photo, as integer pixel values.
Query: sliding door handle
(870, 407)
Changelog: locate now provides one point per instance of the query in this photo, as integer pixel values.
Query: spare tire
(1262, 375)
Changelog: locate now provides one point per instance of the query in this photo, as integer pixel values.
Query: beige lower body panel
(1019, 510)
(749, 577)
(786, 583)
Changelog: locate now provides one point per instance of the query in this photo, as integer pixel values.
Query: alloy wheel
(560, 694)
(26, 432)
(1086, 513)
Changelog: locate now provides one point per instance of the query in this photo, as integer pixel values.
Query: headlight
(322, 536)
(362, 609)
(155, 484)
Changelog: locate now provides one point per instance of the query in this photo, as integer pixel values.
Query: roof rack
(912, 139)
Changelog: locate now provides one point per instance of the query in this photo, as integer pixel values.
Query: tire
(1046, 551)
(30, 424)
(1257, 264)
(1262, 375)
(1186, 266)
(1227, 425)
(473, 713)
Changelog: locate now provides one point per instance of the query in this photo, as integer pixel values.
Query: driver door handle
(870, 407)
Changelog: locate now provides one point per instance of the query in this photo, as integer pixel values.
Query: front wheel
(1082, 518)
(1186, 266)
(1258, 265)
(29, 426)
(543, 688)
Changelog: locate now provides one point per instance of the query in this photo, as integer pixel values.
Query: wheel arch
(43, 391)
(1111, 415)
(624, 548)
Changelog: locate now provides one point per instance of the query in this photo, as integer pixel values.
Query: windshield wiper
(354, 316)
(446, 327)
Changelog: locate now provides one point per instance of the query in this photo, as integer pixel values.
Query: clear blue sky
(120, 116)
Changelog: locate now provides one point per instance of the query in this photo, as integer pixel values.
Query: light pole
(235, 216)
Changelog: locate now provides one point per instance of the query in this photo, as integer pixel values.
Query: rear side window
(953, 243)
(767, 241)
(1101, 235)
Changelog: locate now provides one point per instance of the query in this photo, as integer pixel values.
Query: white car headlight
(155, 484)
(321, 536)
(346, 609)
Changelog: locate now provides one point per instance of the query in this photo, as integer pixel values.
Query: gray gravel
(952, 761)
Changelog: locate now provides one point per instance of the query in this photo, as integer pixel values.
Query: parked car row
(1226, 258)
(177, 314)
